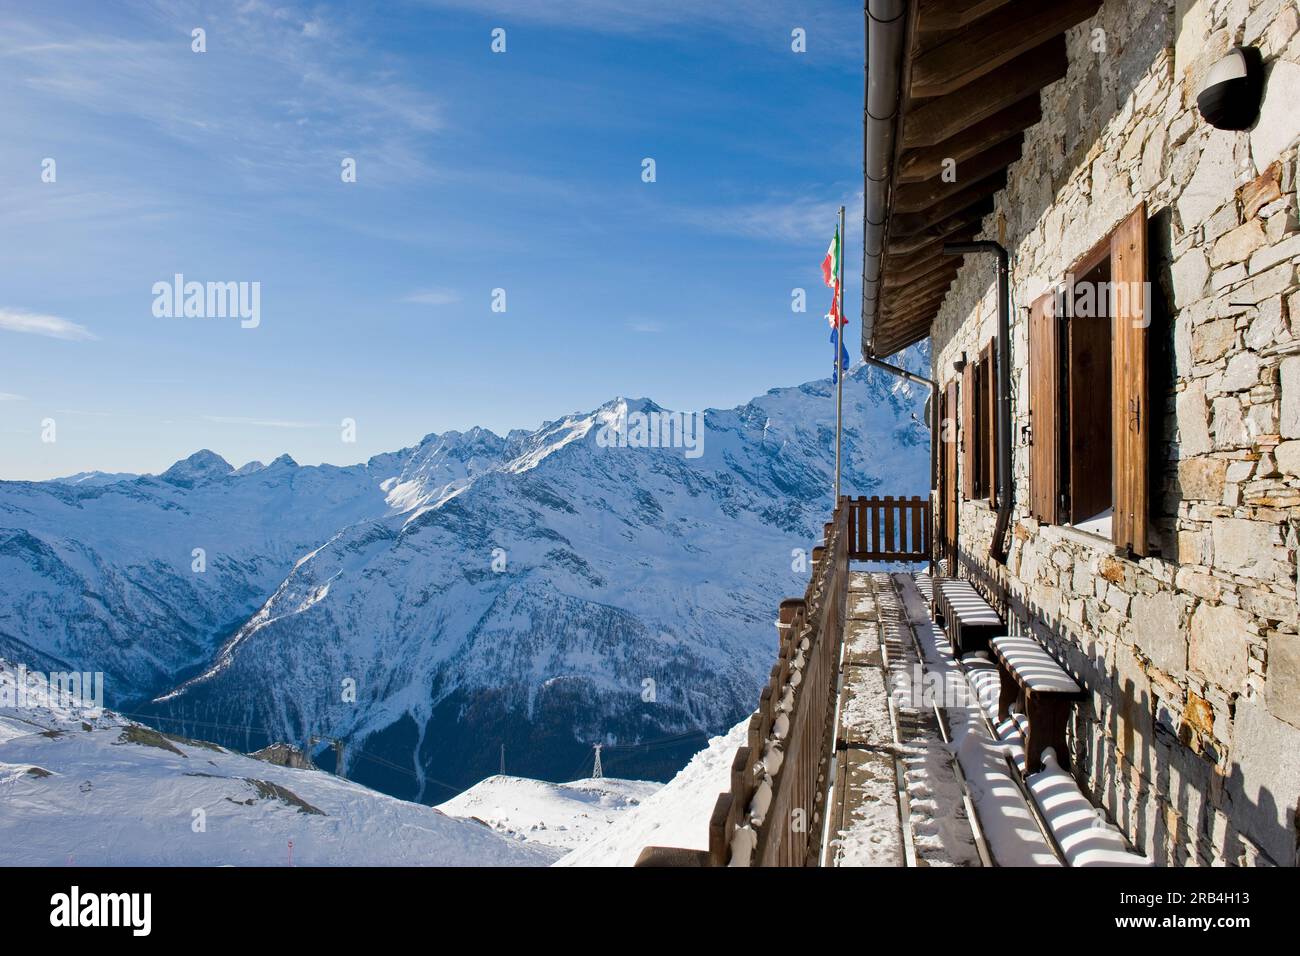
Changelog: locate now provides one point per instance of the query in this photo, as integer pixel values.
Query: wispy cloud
(433, 297)
(259, 422)
(35, 323)
(647, 328)
(773, 19)
(281, 87)
(780, 220)
(11, 397)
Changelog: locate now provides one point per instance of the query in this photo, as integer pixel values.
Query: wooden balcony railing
(889, 529)
(772, 814)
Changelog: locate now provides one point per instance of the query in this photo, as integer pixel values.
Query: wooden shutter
(1130, 414)
(950, 500)
(1044, 409)
(990, 378)
(968, 438)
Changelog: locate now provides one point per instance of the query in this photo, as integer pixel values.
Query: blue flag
(844, 357)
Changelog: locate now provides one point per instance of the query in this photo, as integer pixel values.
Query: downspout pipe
(886, 26)
(998, 546)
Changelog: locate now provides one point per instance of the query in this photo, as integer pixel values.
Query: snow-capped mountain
(89, 478)
(544, 590)
(144, 578)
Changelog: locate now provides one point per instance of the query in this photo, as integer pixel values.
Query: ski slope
(563, 816)
(675, 815)
(88, 789)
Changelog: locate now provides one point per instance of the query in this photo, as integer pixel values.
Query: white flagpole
(839, 366)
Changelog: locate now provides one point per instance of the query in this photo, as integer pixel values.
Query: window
(1087, 448)
(986, 449)
(1088, 393)
(948, 475)
(979, 449)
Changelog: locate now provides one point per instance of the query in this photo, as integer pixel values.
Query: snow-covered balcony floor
(897, 798)
(924, 774)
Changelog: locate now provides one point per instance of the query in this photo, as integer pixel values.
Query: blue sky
(475, 171)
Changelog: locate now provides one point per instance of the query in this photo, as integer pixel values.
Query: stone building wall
(1191, 738)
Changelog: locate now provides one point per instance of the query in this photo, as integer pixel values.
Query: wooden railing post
(781, 775)
(790, 607)
(888, 528)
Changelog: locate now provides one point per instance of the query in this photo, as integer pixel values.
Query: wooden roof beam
(930, 253)
(952, 14)
(939, 276)
(913, 330)
(898, 326)
(912, 316)
(910, 224)
(942, 230)
(884, 349)
(920, 270)
(992, 40)
(918, 316)
(934, 121)
(904, 303)
(919, 196)
(919, 165)
(929, 291)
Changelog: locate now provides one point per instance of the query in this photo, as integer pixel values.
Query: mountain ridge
(522, 588)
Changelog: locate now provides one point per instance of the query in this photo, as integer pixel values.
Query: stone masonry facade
(1191, 738)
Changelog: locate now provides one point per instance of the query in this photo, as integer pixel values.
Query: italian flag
(831, 264)
(831, 276)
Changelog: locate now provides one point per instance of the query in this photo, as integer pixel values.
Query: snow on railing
(772, 814)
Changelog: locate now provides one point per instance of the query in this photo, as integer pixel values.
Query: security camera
(1233, 88)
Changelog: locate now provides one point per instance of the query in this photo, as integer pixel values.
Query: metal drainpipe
(998, 547)
(886, 26)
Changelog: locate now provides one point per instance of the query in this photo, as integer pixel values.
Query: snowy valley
(84, 786)
(538, 591)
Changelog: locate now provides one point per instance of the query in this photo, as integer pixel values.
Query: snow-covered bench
(969, 620)
(1082, 832)
(1029, 673)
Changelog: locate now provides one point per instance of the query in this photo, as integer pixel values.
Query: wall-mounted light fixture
(1232, 90)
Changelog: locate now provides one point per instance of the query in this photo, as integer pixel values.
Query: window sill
(1086, 538)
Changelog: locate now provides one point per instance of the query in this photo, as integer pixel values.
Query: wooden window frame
(986, 391)
(978, 427)
(1126, 248)
(949, 500)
